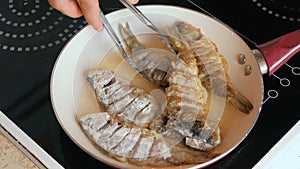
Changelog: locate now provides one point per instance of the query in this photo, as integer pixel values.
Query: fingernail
(99, 28)
(132, 1)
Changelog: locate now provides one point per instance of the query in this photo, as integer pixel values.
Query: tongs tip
(147, 22)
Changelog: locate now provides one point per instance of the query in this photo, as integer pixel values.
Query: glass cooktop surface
(32, 34)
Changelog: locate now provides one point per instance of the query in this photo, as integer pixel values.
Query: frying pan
(71, 97)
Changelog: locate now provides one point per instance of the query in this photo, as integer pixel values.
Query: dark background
(32, 34)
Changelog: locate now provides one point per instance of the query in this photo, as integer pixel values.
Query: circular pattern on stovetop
(31, 25)
(285, 9)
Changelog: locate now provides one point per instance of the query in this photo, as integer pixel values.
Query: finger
(67, 7)
(133, 1)
(91, 12)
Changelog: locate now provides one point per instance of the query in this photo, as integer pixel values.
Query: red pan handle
(278, 51)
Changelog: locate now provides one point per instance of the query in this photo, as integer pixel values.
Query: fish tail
(130, 39)
(238, 100)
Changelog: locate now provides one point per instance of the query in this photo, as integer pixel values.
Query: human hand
(77, 8)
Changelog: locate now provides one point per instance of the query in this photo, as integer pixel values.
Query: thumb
(133, 1)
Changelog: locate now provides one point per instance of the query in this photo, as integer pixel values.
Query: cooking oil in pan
(88, 103)
(234, 124)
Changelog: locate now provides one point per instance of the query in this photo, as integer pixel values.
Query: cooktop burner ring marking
(36, 33)
(67, 29)
(276, 14)
(64, 36)
(295, 69)
(272, 94)
(283, 81)
(25, 3)
(30, 23)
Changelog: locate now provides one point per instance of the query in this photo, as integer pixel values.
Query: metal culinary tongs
(117, 41)
(142, 18)
(148, 23)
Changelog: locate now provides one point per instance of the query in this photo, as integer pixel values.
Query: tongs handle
(112, 34)
(147, 22)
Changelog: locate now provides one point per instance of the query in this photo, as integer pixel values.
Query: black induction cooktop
(32, 34)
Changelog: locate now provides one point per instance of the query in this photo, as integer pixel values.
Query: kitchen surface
(12, 157)
(32, 34)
